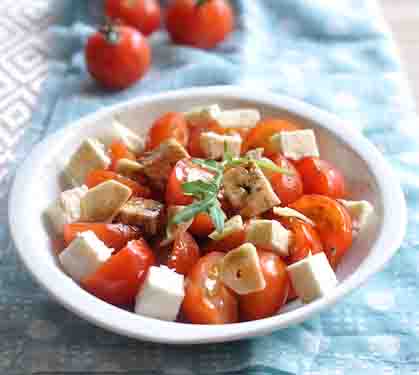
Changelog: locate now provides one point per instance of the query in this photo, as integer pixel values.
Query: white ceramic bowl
(367, 173)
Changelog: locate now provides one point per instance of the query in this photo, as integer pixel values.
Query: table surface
(403, 16)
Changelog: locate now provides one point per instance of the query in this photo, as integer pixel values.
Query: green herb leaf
(217, 216)
(189, 212)
(199, 187)
(267, 164)
(211, 165)
(228, 156)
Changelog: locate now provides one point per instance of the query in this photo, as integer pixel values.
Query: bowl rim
(112, 318)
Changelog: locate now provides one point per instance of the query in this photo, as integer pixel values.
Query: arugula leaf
(217, 216)
(211, 165)
(189, 212)
(199, 187)
(228, 156)
(267, 164)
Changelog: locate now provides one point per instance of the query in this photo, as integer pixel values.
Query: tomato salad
(217, 216)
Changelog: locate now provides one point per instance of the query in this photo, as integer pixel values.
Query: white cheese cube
(85, 254)
(89, 156)
(255, 154)
(270, 235)
(312, 277)
(238, 118)
(66, 209)
(213, 144)
(235, 224)
(161, 295)
(103, 202)
(203, 113)
(361, 213)
(297, 144)
(241, 271)
(289, 212)
(118, 132)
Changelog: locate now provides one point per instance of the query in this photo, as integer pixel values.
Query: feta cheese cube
(235, 224)
(134, 142)
(85, 254)
(89, 156)
(66, 209)
(297, 144)
(289, 212)
(241, 271)
(213, 144)
(312, 277)
(361, 213)
(238, 118)
(203, 113)
(103, 202)
(270, 235)
(161, 295)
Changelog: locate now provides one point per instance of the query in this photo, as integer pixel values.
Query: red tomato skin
(267, 302)
(98, 176)
(170, 125)
(288, 188)
(143, 15)
(184, 255)
(121, 64)
(333, 224)
(195, 131)
(202, 26)
(118, 280)
(174, 193)
(231, 242)
(114, 236)
(202, 225)
(201, 307)
(321, 177)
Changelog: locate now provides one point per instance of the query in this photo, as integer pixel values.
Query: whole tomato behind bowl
(199, 23)
(144, 15)
(117, 56)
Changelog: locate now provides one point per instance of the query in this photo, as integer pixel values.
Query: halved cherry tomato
(115, 236)
(117, 281)
(228, 243)
(117, 151)
(267, 302)
(260, 135)
(288, 188)
(195, 131)
(207, 300)
(98, 176)
(170, 125)
(305, 239)
(333, 224)
(202, 225)
(184, 255)
(321, 177)
(201, 24)
(144, 15)
(184, 170)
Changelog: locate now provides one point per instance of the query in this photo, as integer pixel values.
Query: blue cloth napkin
(337, 55)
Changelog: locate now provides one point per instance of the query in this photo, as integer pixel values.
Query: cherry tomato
(117, 281)
(228, 243)
(207, 300)
(199, 23)
(113, 235)
(195, 131)
(321, 177)
(144, 15)
(267, 302)
(97, 176)
(117, 151)
(170, 125)
(117, 56)
(184, 254)
(288, 188)
(183, 170)
(305, 239)
(333, 224)
(260, 135)
(202, 225)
